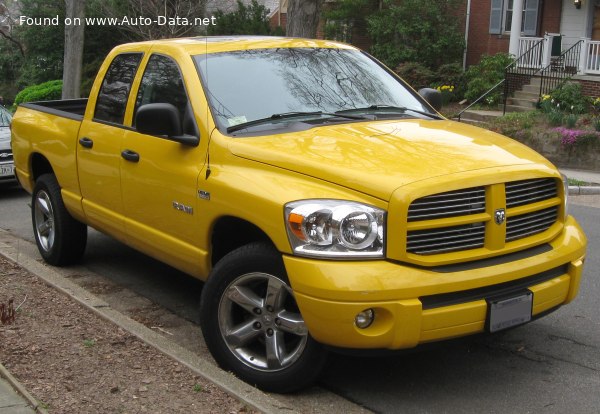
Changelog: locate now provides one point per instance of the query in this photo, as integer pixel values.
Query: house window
(501, 16)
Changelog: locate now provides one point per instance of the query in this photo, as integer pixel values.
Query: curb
(21, 390)
(583, 190)
(245, 393)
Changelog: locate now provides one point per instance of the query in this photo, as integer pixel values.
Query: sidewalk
(587, 177)
(11, 402)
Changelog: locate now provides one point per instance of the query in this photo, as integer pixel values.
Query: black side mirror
(162, 119)
(433, 97)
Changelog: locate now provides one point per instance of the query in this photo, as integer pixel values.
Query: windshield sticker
(236, 120)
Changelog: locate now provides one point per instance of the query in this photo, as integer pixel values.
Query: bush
(416, 31)
(570, 99)
(454, 75)
(43, 92)
(482, 77)
(417, 75)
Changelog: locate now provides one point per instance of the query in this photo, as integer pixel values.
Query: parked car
(325, 202)
(7, 169)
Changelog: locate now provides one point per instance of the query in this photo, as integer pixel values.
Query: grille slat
(448, 204)
(529, 224)
(466, 202)
(519, 193)
(446, 239)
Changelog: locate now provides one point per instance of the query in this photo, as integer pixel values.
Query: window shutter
(531, 17)
(496, 17)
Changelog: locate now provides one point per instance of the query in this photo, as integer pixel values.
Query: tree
(149, 11)
(73, 57)
(303, 18)
(245, 20)
(421, 31)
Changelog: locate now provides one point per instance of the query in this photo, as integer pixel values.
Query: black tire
(59, 237)
(272, 322)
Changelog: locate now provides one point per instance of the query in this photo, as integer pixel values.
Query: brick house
(548, 29)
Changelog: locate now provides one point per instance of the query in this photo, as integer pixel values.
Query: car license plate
(7, 170)
(506, 313)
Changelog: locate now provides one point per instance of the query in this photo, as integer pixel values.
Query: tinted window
(162, 83)
(112, 99)
(253, 84)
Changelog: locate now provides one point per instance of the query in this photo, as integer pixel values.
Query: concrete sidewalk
(587, 177)
(12, 402)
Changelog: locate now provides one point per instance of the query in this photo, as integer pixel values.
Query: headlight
(565, 181)
(335, 229)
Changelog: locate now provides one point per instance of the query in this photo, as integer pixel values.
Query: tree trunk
(303, 18)
(73, 58)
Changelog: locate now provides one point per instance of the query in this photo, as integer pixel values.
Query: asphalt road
(551, 365)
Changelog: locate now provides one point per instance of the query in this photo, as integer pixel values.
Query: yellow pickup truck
(325, 203)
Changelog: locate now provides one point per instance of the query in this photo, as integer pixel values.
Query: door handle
(130, 155)
(86, 142)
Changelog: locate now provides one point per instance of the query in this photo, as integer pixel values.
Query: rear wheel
(252, 325)
(60, 238)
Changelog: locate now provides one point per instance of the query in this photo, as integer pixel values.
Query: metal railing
(560, 69)
(457, 116)
(520, 72)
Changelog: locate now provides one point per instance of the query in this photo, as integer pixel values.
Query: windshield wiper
(389, 108)
(290, 115)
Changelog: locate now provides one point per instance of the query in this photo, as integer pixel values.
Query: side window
(114, 92)
(162, 83)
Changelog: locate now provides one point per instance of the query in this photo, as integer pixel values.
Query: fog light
(365, 318)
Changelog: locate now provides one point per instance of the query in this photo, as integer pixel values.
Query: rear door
(99, 149)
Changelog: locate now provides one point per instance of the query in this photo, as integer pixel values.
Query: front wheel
(60, 238)
(252, 325)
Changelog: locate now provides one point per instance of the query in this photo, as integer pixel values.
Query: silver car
(7, 167)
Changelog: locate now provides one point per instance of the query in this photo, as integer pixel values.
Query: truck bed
(68, 108)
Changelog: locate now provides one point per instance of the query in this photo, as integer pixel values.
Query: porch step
(527, 95)
(518, 108)
(522, 101)
(531, 88)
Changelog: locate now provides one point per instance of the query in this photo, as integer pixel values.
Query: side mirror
(433, 97)
(163, 119)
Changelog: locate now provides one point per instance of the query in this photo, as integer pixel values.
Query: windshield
(250, 85)
(5, 117)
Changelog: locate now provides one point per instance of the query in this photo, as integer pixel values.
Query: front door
(160, 182)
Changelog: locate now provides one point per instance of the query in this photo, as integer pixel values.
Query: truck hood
(378, 157)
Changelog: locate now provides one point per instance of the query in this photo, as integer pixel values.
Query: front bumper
(415, 305)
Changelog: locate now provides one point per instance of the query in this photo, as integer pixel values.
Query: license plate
(7, 170)
(506, 313)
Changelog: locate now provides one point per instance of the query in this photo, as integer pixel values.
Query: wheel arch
(39, 165)
(230, 232)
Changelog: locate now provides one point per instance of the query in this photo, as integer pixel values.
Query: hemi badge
(204, 195)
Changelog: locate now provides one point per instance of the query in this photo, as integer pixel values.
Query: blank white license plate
(7, 170)
(510, 312)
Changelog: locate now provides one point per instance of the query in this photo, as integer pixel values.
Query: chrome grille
(523, 192)
(448, 204)
(524, 225)
(446, 239)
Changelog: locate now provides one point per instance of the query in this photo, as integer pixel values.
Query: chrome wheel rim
(44, 220)
(260, 322)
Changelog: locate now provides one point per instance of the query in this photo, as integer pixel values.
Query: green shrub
(569, 98)
(43, 92)
(454, 75)
(482, 77)
(515, 124)
(571, 120)
(597, 124)
(555, 118)
(417, 75)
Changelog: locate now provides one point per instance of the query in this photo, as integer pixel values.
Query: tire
(59, 237)
(259, 337)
